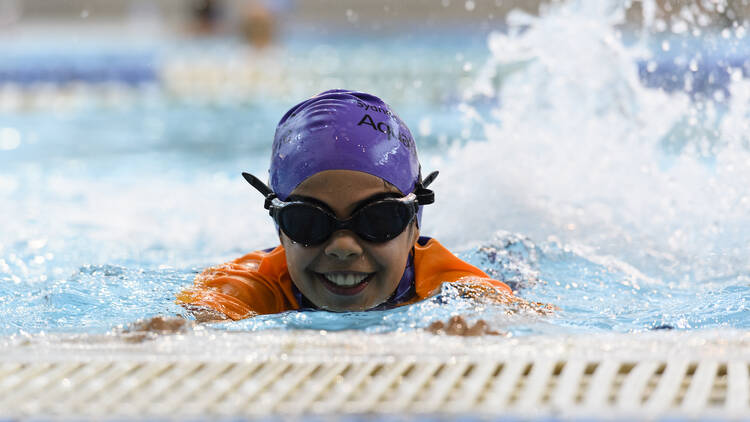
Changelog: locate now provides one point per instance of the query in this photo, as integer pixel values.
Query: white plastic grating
(205, 374)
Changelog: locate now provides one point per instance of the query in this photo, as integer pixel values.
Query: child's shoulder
(253, 260)
(434, 265)
(256, 283)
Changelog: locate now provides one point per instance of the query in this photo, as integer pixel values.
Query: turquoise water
(596, 171)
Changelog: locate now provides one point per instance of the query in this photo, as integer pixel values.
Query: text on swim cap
(383, 127)
(375, 108)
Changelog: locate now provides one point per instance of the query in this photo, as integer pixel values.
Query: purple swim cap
(342, 130)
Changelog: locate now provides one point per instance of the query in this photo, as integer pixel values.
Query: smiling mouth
(344, 283)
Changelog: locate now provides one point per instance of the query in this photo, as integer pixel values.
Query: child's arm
(204, 314)
(435, 265)
(486, 290)
(236, 290)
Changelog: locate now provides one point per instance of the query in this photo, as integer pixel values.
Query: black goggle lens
(305, 223)
(382, 221)
(377, 222)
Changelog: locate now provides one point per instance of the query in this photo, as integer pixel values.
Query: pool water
(600, 169)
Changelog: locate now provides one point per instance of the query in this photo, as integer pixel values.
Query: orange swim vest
(259, 282)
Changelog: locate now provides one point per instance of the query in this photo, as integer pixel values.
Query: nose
(343, 245)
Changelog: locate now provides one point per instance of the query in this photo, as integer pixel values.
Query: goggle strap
(262, 188)
(430, 178)
(426, 196)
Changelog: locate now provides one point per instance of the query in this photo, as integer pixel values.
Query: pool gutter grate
(566, 384)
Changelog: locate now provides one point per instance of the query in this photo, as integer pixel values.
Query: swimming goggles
(378, 221)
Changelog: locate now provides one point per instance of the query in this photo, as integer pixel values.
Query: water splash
(575, 146)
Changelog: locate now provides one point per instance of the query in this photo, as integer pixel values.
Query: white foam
(577, 148)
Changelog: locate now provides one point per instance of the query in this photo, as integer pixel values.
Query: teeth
(345, 279)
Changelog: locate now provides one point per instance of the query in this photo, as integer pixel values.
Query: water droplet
(352, 16)
(84, 13)
(37, 243)
(665, 45)
(470, 5)
(679, 27)
(660, 25)
(425, 126)
(10, 138)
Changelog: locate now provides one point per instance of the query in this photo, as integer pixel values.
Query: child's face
(344, 253)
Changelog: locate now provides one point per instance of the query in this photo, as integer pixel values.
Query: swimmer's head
(345, 193)
(342, 130)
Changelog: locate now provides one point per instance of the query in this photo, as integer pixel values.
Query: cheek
(297, 257)
(392, 256)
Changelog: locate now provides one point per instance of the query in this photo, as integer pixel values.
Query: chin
(363, 299)
(346, 308)
(350, 306)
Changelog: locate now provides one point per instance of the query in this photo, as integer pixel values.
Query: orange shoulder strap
(435, 265)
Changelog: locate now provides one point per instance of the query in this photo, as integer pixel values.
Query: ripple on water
(95, 298)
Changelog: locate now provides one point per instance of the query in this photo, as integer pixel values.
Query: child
(346, 194)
